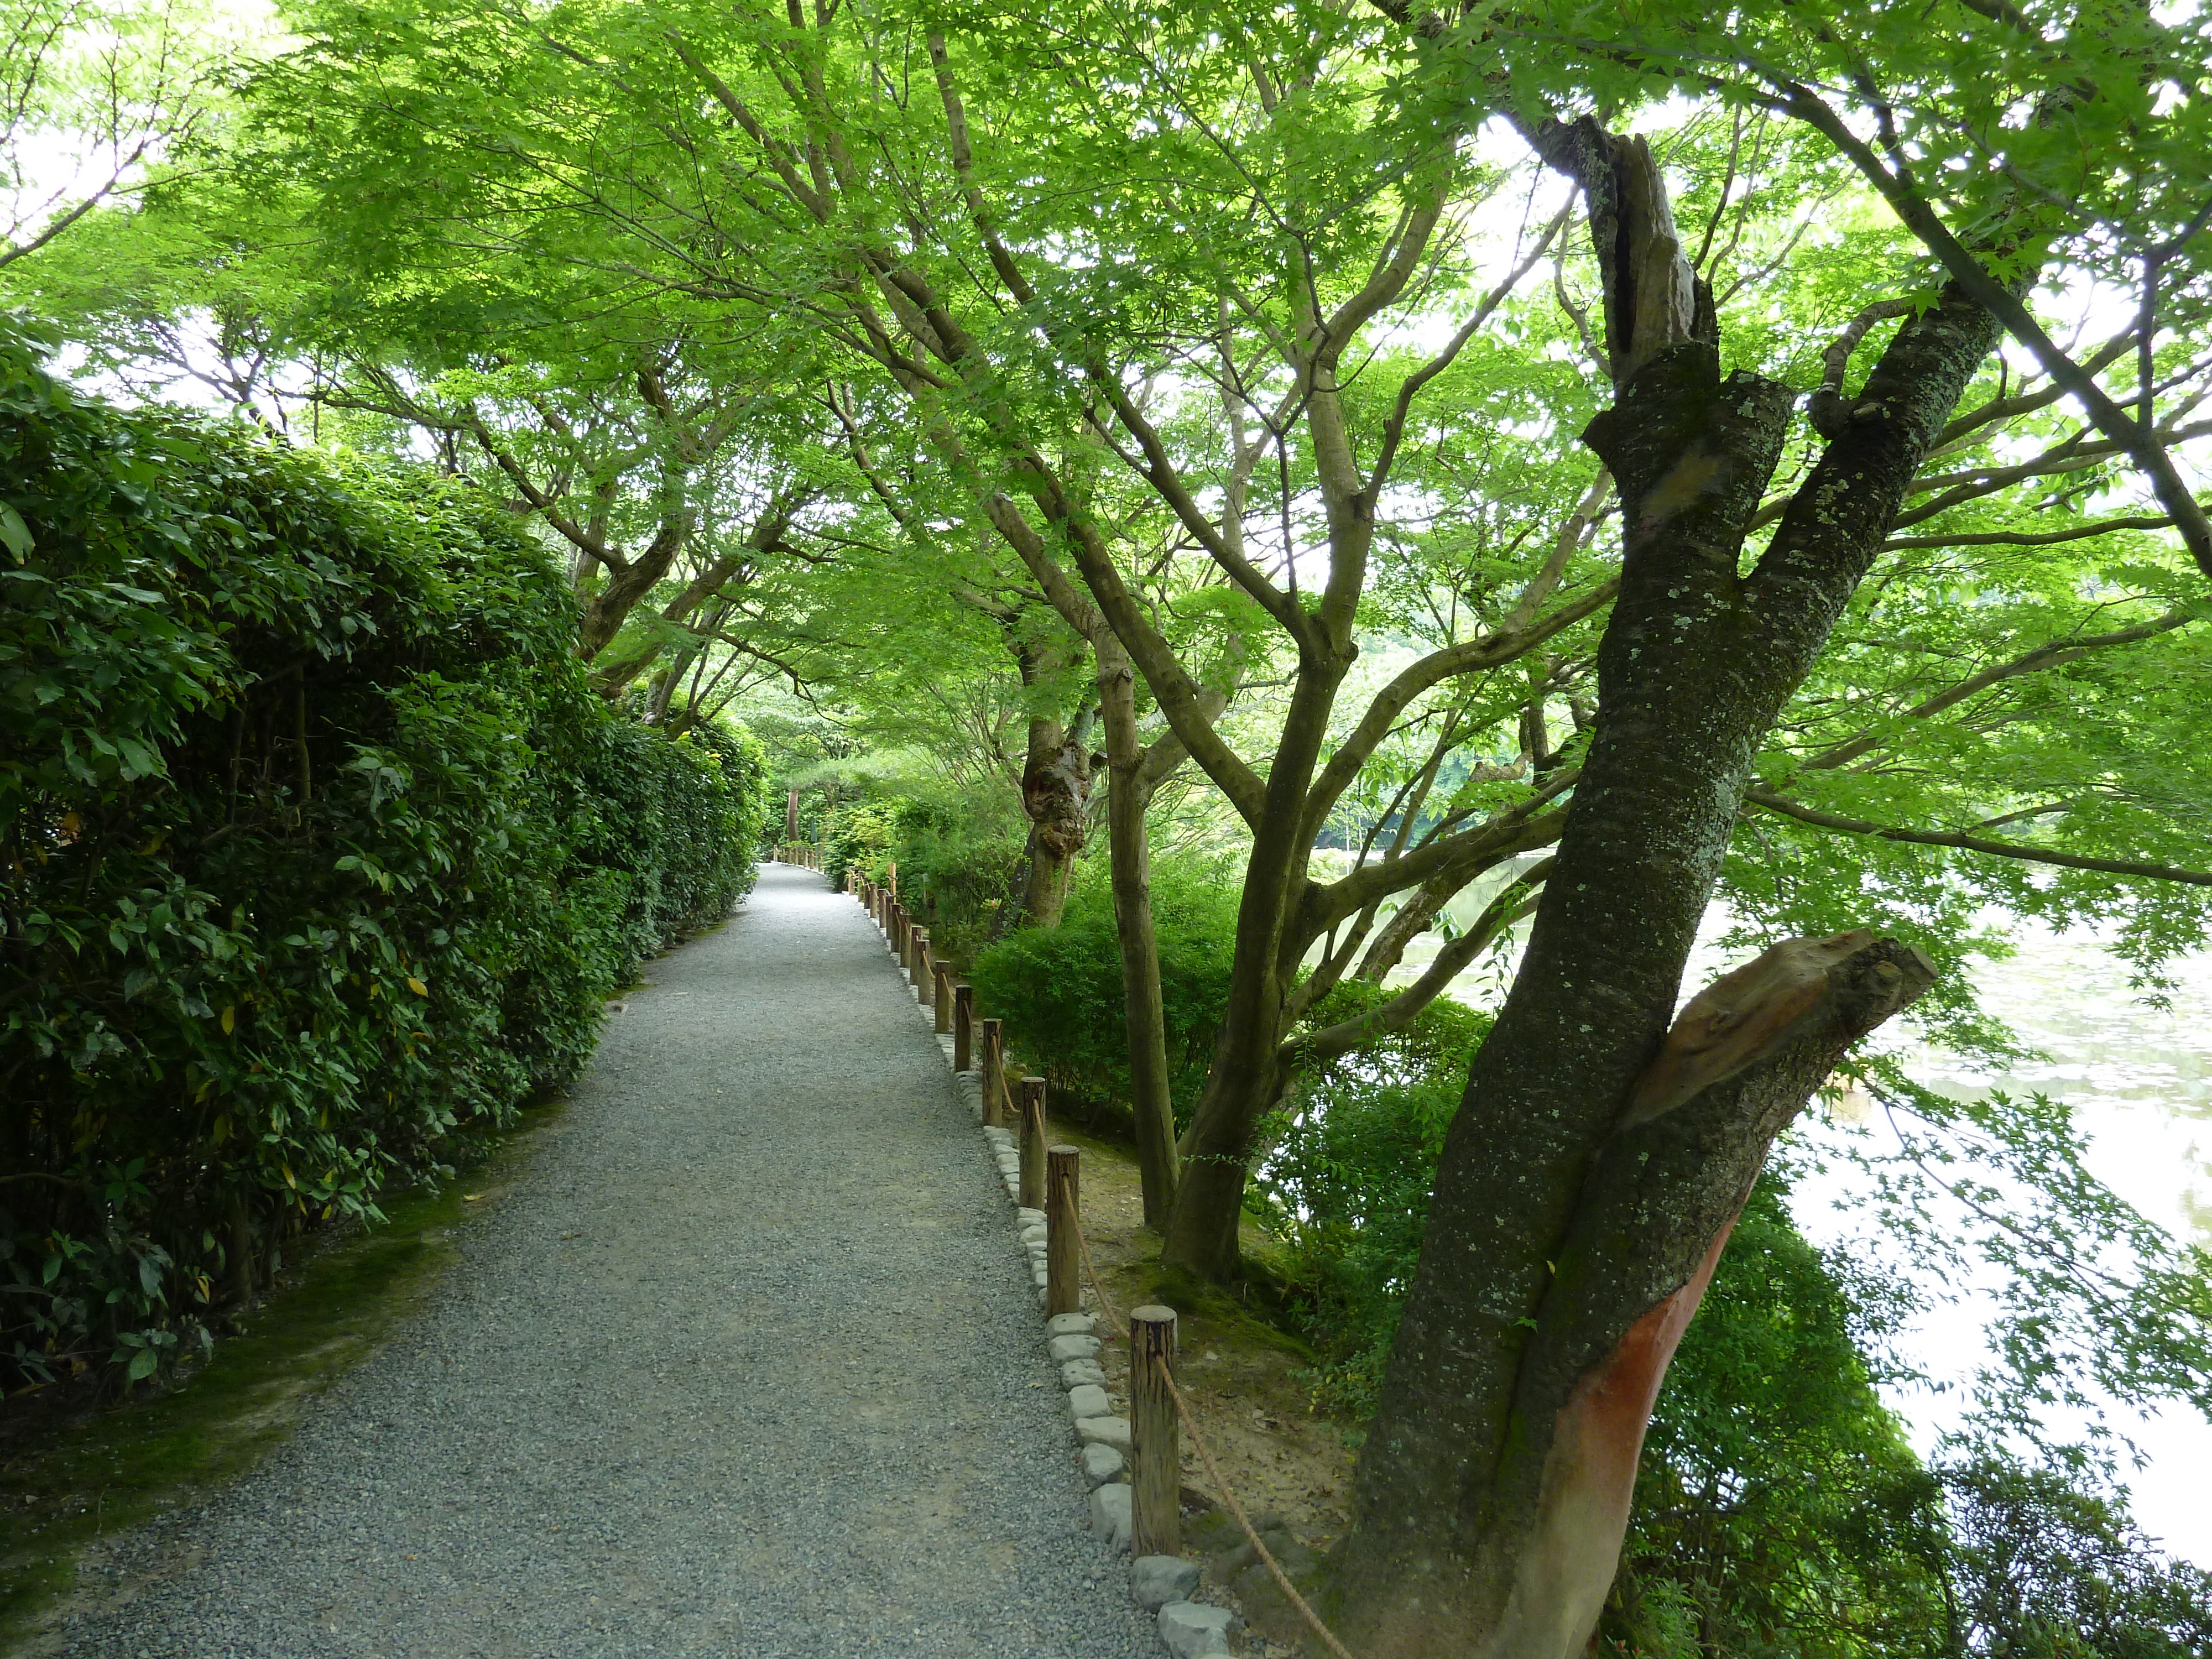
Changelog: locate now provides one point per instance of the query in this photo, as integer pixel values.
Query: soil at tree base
(746, 1363)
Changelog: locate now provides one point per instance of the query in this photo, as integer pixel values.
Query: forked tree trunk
(1589, 1180)
(1521, 1564)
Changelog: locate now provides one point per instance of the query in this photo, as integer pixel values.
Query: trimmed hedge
(1059, 989)
(316, 856)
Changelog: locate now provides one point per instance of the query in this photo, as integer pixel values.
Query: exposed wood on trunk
(1531, 1564)
(1561, 1217)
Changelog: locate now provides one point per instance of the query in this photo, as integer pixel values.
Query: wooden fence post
(1155, 1446)
(940, 997)
(964, 1027)
(1063, 1211)
(994, 1073)
(922, 976)
(1032, 1143)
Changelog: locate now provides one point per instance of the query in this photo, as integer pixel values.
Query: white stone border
(1164, 1584)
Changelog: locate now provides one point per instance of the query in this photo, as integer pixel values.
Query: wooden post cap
(1032, 1131)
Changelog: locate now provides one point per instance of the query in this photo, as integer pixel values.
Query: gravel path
(748, 1364)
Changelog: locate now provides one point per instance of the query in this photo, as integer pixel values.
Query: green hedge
(316, 856)
(1059, 989)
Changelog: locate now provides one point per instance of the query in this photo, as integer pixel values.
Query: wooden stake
(921, 974)
(964, 1027)
(940, 997)
(1032, 1134)
(1063, 1209)
(994, 1073)
(1155, 1446)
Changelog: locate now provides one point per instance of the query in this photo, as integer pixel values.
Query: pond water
(2139, 1080)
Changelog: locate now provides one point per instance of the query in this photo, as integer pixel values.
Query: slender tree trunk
(1245, 1079)
(1129, 797)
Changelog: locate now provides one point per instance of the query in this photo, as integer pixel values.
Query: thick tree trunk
(1240, 1086)
(1145, 1015)
(1246, 1078)
(1521, 1566)
(1056, 797)
(1573, 1221)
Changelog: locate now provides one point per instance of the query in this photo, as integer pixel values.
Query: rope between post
(1113, 1321)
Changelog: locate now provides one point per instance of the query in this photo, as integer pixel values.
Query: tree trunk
(1585, 1192)
(1129, 797)
(1517, 1566)
(1246, 1077)
(1056, 797)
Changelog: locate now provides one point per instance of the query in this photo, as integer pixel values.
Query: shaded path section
(746, 1363)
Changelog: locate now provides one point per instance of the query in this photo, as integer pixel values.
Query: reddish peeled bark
(1519, 1567)
(1589, 1477)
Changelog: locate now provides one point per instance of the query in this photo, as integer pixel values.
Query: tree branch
(2003, 849)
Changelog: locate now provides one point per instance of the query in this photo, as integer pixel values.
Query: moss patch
(69, 1476)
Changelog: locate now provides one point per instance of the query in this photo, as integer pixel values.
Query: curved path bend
(746, 1363)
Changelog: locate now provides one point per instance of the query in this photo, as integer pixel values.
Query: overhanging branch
(2002, 850)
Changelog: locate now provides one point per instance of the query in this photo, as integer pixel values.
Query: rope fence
(1048, 1183)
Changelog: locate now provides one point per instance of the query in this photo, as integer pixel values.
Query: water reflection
(2139, 1082)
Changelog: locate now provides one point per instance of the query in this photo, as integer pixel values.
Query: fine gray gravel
(748, 1362)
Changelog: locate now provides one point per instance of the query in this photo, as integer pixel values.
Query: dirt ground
(1289, 1463)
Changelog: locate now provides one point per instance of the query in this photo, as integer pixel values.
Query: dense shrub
(957, 853)
(1059, 990)
(960, 859)
(316, 853)
(1344, 1185)
(857, 835)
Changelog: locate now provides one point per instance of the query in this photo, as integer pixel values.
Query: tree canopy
(1499, 483)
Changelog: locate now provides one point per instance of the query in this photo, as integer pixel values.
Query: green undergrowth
(69, 1478)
